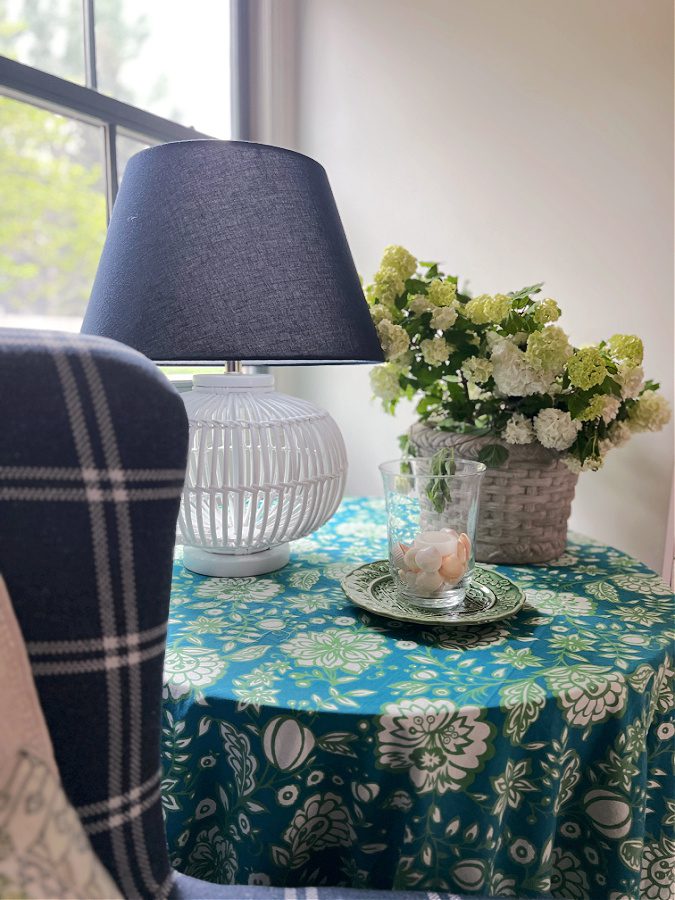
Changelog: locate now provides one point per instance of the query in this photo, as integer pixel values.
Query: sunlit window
(97, 82)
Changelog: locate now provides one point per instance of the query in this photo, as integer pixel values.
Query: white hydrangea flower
(476, 392)
(384, 382)
(442, 293)
(477, 369)
(379, 313)
(399, 260)
(419, 304)
(556, 429)
(443, 317)
(435, 351)
(513, 375)
(620, 434)
(631, 379)
(393, 338)
(572, 463)
(591, 463)
(650, 413)
(518, 430)
(611, 407)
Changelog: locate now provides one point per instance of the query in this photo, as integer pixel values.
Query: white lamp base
(231, 565)
(263, 469)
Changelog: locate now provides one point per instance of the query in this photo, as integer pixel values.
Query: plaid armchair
(93, 447)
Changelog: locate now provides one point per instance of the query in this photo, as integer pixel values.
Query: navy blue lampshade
(224, 250)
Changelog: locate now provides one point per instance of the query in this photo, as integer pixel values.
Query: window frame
(115, 117)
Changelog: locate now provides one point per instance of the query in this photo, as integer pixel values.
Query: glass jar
(432, 510)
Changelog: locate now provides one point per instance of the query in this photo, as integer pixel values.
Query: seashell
(409, 559)
(453, 568)
(397, 553)
(427, 583)
(465, 542)
(410, 579)
(444, 541)
(428, 559)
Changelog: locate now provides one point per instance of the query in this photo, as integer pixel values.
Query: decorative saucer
(491, 596)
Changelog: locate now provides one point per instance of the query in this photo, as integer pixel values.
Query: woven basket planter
(524, 504)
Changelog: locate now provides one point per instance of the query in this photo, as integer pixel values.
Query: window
(85, 84)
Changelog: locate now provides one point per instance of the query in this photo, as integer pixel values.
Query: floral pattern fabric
(308, 742)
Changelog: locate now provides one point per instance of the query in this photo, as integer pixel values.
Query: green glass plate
(491, 596)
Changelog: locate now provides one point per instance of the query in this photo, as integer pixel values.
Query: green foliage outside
(53, 218)
(52, 189)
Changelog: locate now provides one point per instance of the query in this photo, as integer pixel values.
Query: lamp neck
(233, 365)
(227, 382)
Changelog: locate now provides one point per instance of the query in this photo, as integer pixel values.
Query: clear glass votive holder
(431, 524)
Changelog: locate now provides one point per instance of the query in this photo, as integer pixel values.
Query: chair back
(93, 444)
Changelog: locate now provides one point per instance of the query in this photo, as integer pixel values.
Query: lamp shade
(225, 250)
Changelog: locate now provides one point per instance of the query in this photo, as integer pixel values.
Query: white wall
(516, 141)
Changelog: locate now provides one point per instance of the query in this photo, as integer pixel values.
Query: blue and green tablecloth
(308, 742)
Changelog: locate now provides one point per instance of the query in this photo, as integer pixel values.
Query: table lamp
(223, 252)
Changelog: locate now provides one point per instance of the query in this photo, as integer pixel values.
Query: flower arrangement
(499, 364)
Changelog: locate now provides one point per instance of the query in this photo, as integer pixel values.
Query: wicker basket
(524, 504)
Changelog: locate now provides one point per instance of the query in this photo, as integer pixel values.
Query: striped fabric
(193, 889)
(92, 453)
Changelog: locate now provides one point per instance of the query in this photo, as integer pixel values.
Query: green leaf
(456, 391)
(577, 403)
(438, 490)
(443, 462)
(405, 445)
(516, 323)
(427, 376)
(526, 291)
(426, 404)
(415, 286)
(493, 455)
(610, 386)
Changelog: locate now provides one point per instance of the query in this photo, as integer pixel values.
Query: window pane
(53, 217)
(126, 147)
(168, 58)
(46, 34)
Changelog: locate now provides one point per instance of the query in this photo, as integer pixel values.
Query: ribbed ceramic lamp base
(263, 469)
(229, 565)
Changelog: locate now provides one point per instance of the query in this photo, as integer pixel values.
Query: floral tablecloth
(308, 742)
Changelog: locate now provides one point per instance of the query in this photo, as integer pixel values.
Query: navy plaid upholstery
(93, 445)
